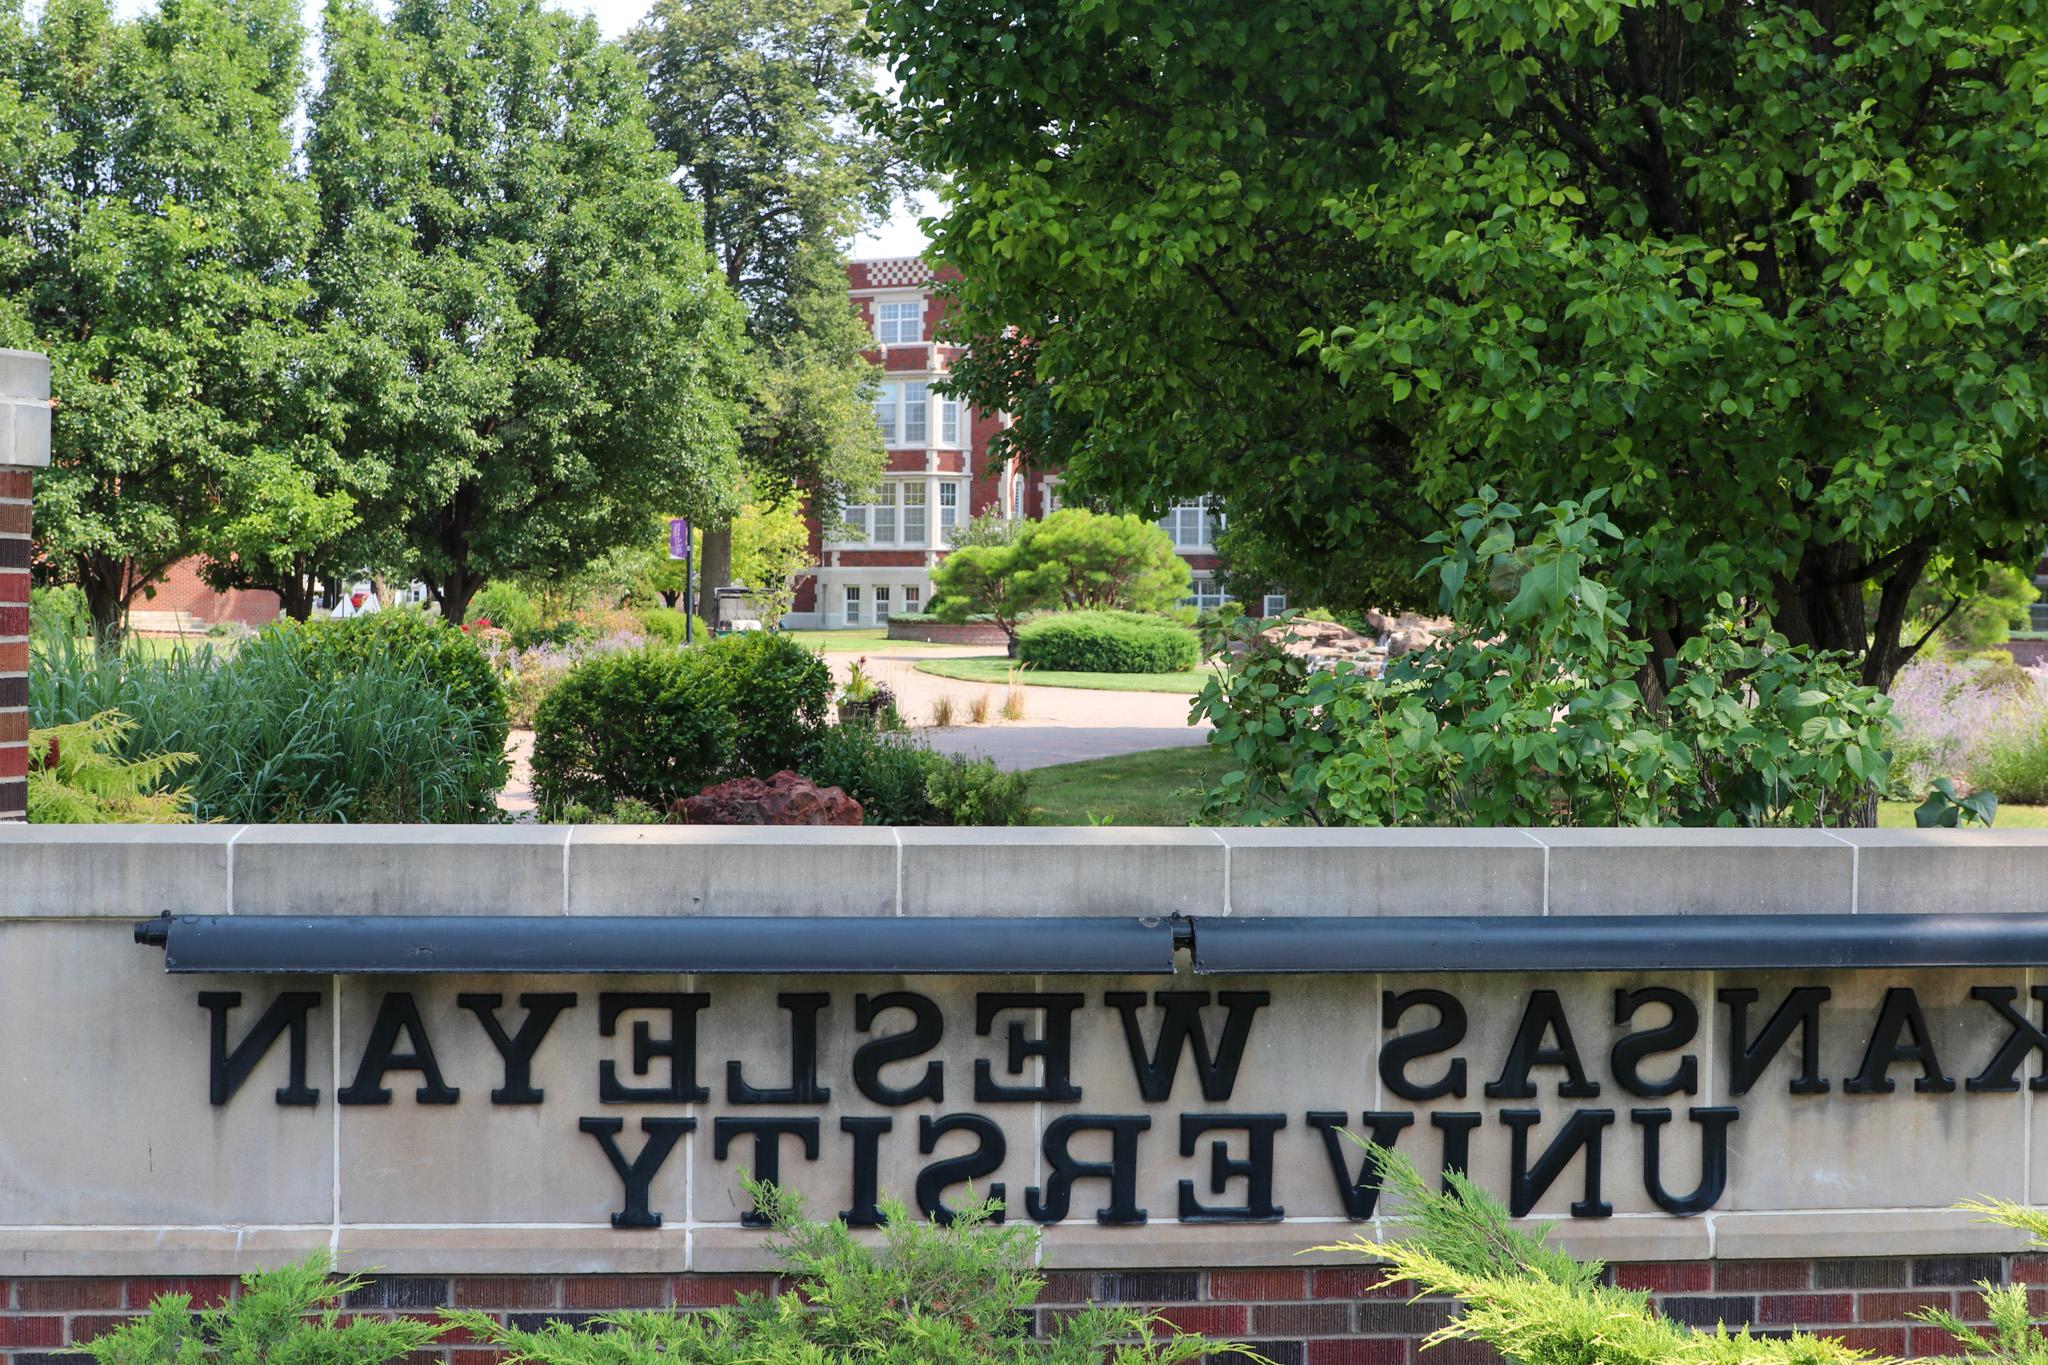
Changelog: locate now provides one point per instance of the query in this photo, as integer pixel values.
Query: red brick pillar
(24, 446)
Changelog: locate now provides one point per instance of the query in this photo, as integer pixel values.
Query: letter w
(1182, 1028)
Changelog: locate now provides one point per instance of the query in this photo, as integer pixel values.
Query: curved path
(1060, 724)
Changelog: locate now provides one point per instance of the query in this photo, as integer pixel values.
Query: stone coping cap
(136, 871)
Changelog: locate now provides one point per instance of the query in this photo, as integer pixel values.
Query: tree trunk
(715, 568)
(104, 582)
(455, 589)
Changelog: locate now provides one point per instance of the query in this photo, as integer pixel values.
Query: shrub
(1529, 711)
(781, 694)
(1530, 1301)
(667, 627)
(506, 606)
(1107, 642)
(59, 610)
(921, 1293)
(899, 780)
(655, 724)
(279, 731)
(291, 1313)
(450, 657)
(976, 792)
(1986, 729)
(77, 776)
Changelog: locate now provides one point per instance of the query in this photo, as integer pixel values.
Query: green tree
(151, 226)
(1075, 559)
(526, 326)
(757, 101)
(1772, 276)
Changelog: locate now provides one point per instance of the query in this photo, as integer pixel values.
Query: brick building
(940, 472)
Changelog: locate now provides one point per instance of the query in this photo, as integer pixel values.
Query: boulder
(784, 799)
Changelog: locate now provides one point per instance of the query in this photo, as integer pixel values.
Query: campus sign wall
(538, 1050)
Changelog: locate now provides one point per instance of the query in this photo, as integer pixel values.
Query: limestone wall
(161, 1123)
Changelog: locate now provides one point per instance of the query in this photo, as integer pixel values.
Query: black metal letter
(637, 1174)
(1121, 1170)
(1800, 1010)
(1256, 1168)
(1527, 1183)
(230, 1068)
(1181, 1030)
(985, 1159)
(1713, 1124)
(680, 1047)
(1543, 1015)
(1629, 1051)
(927, 1029)
(1055, 1046)
(2000, 1072)
(518, 1049)
(1457, 1129)
(767, 1135)
(1361, 1192)
(1397, 1051)
(397, 1014)
(1899, 1013)
(803, 1087)
(867, 1138)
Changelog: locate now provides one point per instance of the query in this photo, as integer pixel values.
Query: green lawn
(1163, 787)
(996, 669)
(1156, 787)
(873, 640)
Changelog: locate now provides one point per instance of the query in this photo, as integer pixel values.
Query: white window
(913, 514)
(1276, 602)
(917, 409)
(1206, 593)
(886, 396)
(949, 511)
(1016, 496)
(910, 598)
(853, 604)
(949, 421)
(882, 518)
(1192, 525)
(881, 604)
(897, 322)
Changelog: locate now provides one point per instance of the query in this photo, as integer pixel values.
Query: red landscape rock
(784, 799)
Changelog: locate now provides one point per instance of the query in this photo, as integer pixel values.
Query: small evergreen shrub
(957, 1293)
(781, 696)
(976, 792)
(290, 1314)
(654, 724)
(1531, 1301)
(77, 776)
(1107, 642)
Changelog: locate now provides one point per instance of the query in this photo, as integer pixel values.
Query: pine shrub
(923, 1293)
(77, 776)
(290, 1314)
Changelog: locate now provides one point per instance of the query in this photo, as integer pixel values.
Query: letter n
(230, 1068)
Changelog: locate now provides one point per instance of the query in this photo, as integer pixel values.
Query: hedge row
(1107, 642)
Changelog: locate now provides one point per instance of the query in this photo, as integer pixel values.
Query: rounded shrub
(653, 724)
(780, 693)
(658, 623)
(1107, 642)
(506, 606)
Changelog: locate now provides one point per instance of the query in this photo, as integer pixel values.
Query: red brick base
(1293, 1315)
(16, 486)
